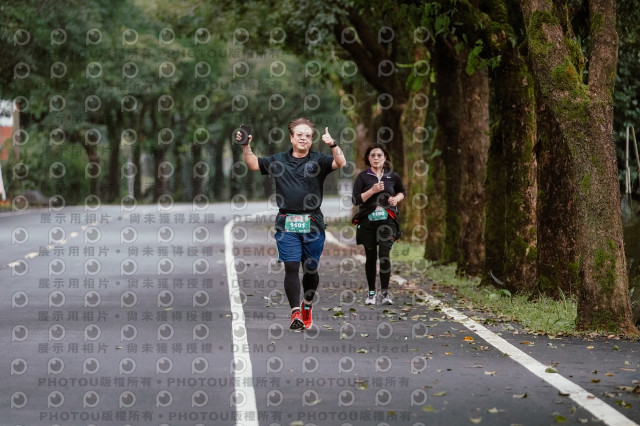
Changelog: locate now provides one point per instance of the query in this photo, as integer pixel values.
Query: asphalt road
(175, 315)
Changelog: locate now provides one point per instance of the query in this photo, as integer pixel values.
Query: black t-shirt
(366, 179)
(299, 184)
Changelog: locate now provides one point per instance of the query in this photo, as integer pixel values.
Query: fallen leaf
(550, 370)
(624, 404)
(526, 342)
(443, 393)
(560, 419)
(361, 351)
(608, 374)
(475, 420)
(563, 393)
(595, 380)
(493, 410)
(448, 353)
(590, 347)
(524, 395)
(490, 373)
(364, 334)
(468, 339)
(429, 409)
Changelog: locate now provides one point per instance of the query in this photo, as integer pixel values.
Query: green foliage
(50, 169)
(545, 315)
(476, 62)
(168, 74)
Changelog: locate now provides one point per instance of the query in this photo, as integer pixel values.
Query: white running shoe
(386, 299)
(371, 298)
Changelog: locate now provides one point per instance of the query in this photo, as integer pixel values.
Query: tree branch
(362, 57)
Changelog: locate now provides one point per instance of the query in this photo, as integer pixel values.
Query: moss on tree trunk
(412, 123)
(463, 119)
(580, 229)
(516, 135)
(435, 210)
(494, 220)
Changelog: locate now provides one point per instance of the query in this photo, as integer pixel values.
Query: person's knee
(310, 265)
(385, 265)
(291, 267)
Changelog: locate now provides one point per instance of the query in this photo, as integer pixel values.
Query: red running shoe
(307, 319)
(296, 321)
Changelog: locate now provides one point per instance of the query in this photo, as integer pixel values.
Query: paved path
(176, 316)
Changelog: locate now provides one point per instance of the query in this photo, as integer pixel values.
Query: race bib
(299, 223)
(378, 214)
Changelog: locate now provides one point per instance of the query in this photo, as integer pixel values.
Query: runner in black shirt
(377, 191)
(299, 174)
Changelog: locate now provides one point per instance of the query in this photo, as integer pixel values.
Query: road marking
(247, 413)
(585, 399)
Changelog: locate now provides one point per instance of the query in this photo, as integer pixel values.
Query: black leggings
(373, 253)
(310, 281)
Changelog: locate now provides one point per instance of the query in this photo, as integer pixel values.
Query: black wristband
(333, 145)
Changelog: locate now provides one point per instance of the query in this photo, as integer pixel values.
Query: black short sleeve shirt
(299, 181)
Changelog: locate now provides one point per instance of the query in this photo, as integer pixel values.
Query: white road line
(247, 412)
(587, 400)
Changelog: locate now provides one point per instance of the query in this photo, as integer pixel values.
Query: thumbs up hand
(326, 137)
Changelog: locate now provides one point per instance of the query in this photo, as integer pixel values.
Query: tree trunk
(495, 207)
(137, 152)
(217, 184)
(114, 129)
(449, 92)
(466, 123)
(197, 178)
(579, 214)
(447, 96)
(93, 164)
(510, 230)
(435, 209)
(415, 170)
(474, 138)
(160, 186)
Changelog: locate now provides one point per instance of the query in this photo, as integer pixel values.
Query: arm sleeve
(358, 189)
(265, 164)
(326, 162)
(399, 188)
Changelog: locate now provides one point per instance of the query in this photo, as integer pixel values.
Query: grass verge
(544, 316)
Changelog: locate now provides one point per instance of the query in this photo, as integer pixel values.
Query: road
(175, 315)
